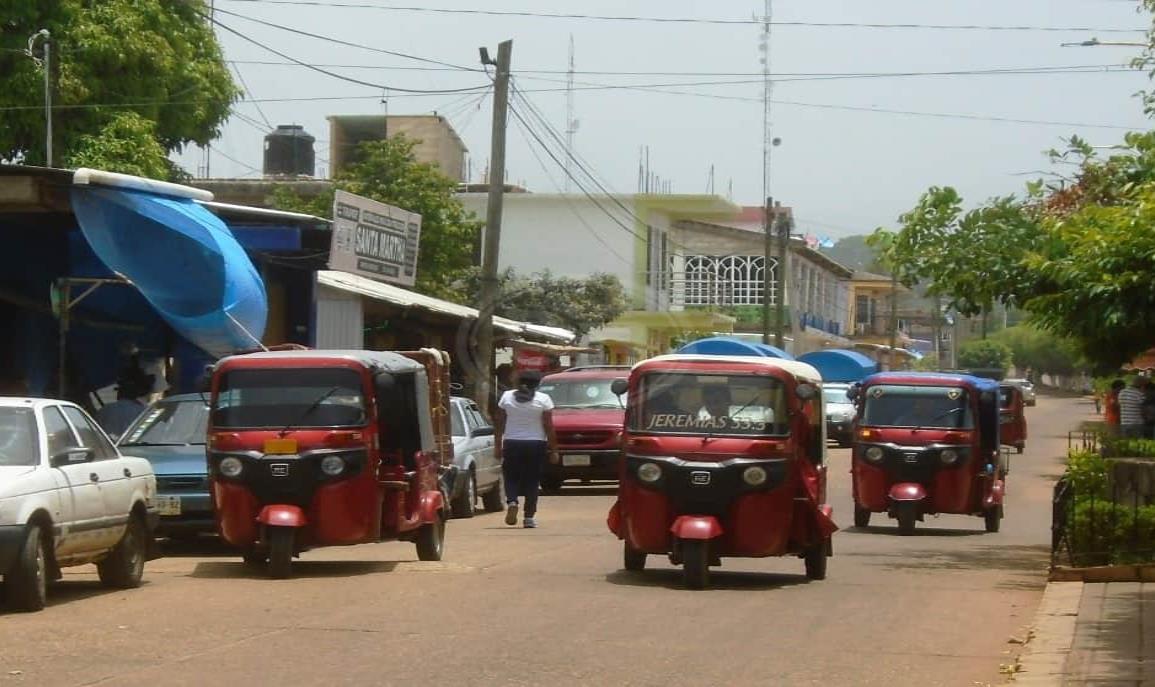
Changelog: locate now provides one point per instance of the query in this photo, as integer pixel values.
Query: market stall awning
(180, 256)
(388, 293)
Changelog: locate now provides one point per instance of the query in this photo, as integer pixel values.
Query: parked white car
(478, 472)
(67, 497)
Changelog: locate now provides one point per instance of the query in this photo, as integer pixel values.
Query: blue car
(170, 434)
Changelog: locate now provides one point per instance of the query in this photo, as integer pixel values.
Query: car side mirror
(481, 432)
(72, 456)
(619, 386)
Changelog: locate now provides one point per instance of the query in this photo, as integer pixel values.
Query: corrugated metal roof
(389, 293)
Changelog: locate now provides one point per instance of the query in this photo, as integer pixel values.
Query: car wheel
(124, 566)
(463, 505)
(431, 540)
(552, 484)
(493, 501)
(26, 583)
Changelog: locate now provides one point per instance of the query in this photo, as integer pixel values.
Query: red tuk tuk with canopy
(723, 456)
(927, 443)
(329, 448)
(1012, 417)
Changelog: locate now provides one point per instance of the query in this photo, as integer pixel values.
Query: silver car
(478, 470)
(1027, 387)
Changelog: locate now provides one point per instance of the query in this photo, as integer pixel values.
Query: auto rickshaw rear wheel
(861, 517)
(992, 518)
(815, 560)
(255, 558)
(633, 559)
(907, 515)
(696, 563)
(280, 552)
(431, 540)
(551, 484)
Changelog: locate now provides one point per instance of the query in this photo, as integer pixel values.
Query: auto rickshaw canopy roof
(932, 378)
(377, 361)
(798, 369)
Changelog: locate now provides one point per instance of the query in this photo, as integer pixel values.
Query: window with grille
(725, 280)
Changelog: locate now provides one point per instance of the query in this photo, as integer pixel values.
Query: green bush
(1129, 448)
(1087, 474)
(1104, 533)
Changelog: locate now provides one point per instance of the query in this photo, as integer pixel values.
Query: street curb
(1052, 635)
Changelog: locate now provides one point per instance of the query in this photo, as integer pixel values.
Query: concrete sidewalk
(1092, 634)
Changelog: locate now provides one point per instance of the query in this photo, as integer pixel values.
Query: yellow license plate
(280, 446)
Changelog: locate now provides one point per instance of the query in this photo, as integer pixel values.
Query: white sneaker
(529, 522)
(511, 514)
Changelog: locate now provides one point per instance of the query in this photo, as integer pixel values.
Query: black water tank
(289, 152)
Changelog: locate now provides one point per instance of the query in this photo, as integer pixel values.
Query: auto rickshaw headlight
(332, 465)
(755, 476)
(649, 472)
(231, 467)
(873, 454)
(949, 456)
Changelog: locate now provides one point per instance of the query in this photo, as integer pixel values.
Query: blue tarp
(184, 261)
(723, 345)
(837, 365)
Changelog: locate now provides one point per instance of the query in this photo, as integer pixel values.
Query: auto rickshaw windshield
(711, 404)
(276, 398)
(938, 407)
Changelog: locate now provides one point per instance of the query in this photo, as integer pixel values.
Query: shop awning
(180, 256)
(388, 293)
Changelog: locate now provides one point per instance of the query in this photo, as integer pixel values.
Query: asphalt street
(552, 606)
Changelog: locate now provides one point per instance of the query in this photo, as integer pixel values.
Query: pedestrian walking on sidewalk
(1131, 408)
(525, 424)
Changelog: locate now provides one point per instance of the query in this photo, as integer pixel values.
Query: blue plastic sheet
(838, 365)
(184, 261)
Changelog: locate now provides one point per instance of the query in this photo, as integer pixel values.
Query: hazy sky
(843, 170)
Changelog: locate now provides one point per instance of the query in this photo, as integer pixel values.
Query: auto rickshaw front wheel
(633, 559)
(431, 540)
(696, 563)
(907, 514)
(861, 517)
(992, 518)
(281, 552)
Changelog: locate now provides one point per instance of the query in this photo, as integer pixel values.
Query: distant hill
(853, 252)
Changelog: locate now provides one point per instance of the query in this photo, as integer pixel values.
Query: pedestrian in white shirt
(1131, 408)
(525, 424)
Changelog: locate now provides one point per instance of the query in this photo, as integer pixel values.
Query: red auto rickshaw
(927, 443)
(329, 448)
(724, 456)
(1012, 418)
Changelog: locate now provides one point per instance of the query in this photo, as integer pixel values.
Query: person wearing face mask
(525, 426)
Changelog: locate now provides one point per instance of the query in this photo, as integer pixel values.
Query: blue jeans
(522, 463)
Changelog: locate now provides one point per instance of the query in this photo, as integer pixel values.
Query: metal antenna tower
(571, 122)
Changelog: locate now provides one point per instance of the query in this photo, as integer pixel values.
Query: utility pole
(490, 254)
(781, 271)
(768, 250)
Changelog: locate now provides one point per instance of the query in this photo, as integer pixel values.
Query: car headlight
(231, 467)
(949, 456)
(649, 472)
(332, 466)
(755, 476)
(873, 454)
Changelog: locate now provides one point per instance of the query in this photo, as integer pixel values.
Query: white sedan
(67, 497)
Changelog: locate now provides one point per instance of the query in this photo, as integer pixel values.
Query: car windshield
(18, 438)
(289, 398)
(169, 423)
(938, 407)
(835, 394)
(581, 393)
(711, 404)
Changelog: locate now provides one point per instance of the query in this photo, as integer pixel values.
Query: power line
(686, 20)
(175, 103)
(247, 90)
(335, 75)
(339, 41)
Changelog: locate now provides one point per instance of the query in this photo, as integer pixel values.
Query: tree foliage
(579, 305)
(117, 64)
(984, 353)
(387, 171)
(1041, 351)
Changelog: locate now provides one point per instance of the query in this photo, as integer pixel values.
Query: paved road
(552, 606)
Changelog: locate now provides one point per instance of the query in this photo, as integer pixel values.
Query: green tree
(387, 171)
(579, 305)
(117, 65)
(1041, 351)
(984, 353)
